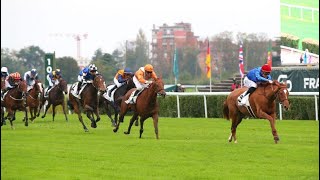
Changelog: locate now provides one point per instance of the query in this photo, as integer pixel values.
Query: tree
(69, 68)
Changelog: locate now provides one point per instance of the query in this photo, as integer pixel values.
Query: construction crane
(77, 37)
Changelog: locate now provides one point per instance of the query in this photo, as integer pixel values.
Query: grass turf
(188, 148)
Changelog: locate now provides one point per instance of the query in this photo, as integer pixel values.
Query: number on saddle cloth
(133, 97)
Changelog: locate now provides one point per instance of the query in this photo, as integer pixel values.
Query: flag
(208, 61)
(175, 64)
(269, 58)
(241, 67)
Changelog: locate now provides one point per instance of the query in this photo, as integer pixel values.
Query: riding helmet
(148, 68)
(266, 68)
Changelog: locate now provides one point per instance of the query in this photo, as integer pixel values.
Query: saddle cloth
(106, 94)
(74, 89)
(133, 97)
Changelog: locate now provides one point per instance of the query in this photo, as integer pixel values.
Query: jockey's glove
(148, 82)
(270, 81)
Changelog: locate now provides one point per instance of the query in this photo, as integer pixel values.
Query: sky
(108, 24)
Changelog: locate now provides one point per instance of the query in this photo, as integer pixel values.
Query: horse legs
(133, 118)
(109, 113)
(90, 116)
(77, 110)
(53, 111)
(64, 111)
(142, 119)
(124, 109)
(97, 114)
(155, 118)
(46, 109)
(273, 127)
(236, 120)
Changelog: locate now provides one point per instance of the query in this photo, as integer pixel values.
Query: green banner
(298, 79)
(50, 65)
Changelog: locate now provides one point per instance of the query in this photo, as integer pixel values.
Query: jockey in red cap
(254, 77)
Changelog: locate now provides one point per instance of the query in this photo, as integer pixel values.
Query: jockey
(254, 77)
(30, 77)
(13, 79)
(86, 75)
(142, 76)
(120, 78)
(4, 72)
(11, 82)
(53, 79)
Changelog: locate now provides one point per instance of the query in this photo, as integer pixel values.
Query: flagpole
(210, 80)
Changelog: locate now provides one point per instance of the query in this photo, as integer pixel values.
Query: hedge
(302, 107)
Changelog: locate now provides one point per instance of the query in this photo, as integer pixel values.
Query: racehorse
(2, 108)
(89, 100)
(56, 97)
(146, 106)
(33, 99)
(263, 106)
(115, 104)
(15, 99)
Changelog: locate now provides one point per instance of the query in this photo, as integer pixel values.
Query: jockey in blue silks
(86, 75)
(254, 77)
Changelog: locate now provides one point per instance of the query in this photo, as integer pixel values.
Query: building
(166, 38)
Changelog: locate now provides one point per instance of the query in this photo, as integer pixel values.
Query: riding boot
(79, 87)
(47, 92)
(114, 87)
(244, 98)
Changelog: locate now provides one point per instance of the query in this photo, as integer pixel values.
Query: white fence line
(301, 9)
(204, 94)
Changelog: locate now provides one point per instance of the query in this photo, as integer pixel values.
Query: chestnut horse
(89, 100)
(33, 99)
(15, 99)
(56, 97)
(117, 97)
(146, 106)
(263, 105)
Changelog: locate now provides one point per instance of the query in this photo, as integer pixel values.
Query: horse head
(130, 83)
(282, 94)
(99, 83)
(63, 85)
(159, 87)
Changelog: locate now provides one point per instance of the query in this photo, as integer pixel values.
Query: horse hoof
(93, 125)
(98, 120)
(42, 116)
(126, 132)
(86, 130)
(115, 130)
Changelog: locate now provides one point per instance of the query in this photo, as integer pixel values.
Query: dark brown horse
(116, 101)
(146, 106)
(33, 99)
(15, 99)
(263, 105)
(89, 100)
(56, 97)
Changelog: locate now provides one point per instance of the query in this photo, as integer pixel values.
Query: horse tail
(225, 110)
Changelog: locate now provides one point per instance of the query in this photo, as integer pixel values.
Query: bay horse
(55, 98)
(263, 105)
(33, 99)
(116, 101)
(2, 108)
(15, 99)
(89, 100)
(146, 106)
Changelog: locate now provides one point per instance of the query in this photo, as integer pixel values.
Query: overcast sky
(109, 23)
